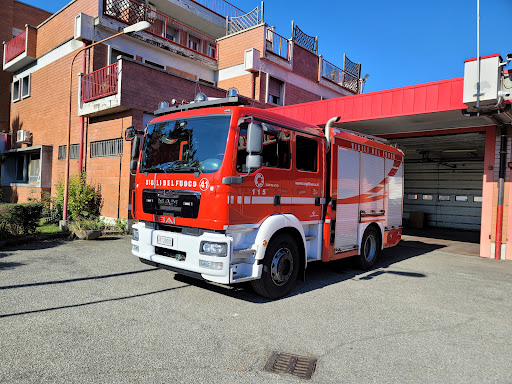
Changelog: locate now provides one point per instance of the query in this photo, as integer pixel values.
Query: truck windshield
(194, 144)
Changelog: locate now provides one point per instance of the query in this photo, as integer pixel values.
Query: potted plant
(87, 229)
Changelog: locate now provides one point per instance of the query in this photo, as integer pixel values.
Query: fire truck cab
(229, 193)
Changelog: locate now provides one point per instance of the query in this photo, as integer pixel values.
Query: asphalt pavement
(90, 312)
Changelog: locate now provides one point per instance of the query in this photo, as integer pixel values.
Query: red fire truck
(229, 193)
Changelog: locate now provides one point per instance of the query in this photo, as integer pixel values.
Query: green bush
(82, 224)
(19, 219)
(84, 199)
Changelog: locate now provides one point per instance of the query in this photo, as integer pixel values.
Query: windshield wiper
(175, 166)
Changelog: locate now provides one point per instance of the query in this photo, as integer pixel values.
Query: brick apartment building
(14, 16)
(191, 46)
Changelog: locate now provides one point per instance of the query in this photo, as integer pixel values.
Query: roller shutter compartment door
(449, 193)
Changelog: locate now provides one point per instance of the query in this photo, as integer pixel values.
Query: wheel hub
(282, 266)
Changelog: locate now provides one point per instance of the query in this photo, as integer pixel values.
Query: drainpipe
(501, 192)
(81, 145)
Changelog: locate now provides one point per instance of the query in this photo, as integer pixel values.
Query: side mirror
(133, 166)
(253, 162)
(254, 139)
(130, 133)
(135, 154)
(136, 147)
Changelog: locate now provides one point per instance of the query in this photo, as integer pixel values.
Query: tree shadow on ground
(319, 275)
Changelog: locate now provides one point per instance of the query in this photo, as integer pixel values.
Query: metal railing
(304, 40)
(100, 83)
(339, 76)
(162, 26)
(16, 46)
(220, 7)
(277, 44)
(244, 21)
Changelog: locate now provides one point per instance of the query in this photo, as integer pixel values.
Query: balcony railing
(100, 83)
(162, 26)
(221, 7)
(16, 46)
(340, 77)
(277, 44)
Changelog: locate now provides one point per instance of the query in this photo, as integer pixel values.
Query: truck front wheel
(280, 268)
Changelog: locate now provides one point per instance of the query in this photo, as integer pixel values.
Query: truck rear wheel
(280, 268)
(370, 248)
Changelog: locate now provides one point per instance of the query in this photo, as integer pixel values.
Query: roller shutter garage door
(443, 179)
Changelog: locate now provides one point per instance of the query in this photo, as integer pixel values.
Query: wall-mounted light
(490, 167)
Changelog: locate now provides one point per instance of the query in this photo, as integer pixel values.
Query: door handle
(277, 200)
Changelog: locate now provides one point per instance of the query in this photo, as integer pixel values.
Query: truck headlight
(213, 249)
(135, 234)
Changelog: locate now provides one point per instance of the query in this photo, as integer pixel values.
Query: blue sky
(398, 42)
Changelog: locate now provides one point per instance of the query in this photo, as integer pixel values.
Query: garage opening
(443, 180)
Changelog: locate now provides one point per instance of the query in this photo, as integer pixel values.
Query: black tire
(280, 268)
(370, 248)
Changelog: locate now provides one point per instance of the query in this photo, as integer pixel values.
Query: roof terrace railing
(16, 46)
(347, 80)
(220, 7)
(101, 83)
(277, 44)
(162, 26)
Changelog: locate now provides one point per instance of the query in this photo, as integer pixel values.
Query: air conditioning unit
(23, 136)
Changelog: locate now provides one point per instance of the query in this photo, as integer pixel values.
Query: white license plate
(165, 240)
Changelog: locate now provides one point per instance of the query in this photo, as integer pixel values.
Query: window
(73, 151)
(25, 87)
(306, 156)
(461, 198)
(275, 154)
(477, 199)
(172, 33)
(20, 168)
(21, 88)
(34, 167)
(114, 53)
(194, 43)
(412, 197)
(106, 148)
(428, 197)
(16, 32)
(444, 197)
(16, 91)
(62, 152)
(212, 50)
(275, 91)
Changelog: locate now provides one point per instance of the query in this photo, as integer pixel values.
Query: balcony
(277, 48)
(162, 26)
(100, 91)
(21, 50)
(100, 83)
(221, 7)
(343, 78)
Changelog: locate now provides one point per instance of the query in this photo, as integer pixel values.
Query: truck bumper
(181, 253)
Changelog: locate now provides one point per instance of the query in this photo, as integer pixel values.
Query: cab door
(308, 197)
(260, 194)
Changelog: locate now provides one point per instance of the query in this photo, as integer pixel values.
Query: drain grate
(300, 366)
